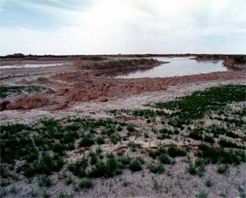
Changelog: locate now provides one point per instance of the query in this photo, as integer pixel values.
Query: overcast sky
(122, 26)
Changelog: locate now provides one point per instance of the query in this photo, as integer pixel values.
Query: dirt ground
(70, 84)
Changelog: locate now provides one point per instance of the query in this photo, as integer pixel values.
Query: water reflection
(15, 66)
(178, 66)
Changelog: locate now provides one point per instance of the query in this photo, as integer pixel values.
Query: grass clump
(156, 153)
(202, 195)
(100, 140)
(44, 181)
(135, 165)
(134, 146)
(232, 134)
(209, 183)
(86, 183)
(164, 159)
(227, 143)
(165, 133)
(78, 168)
(220, 155)
(109, 168)
(222, 169)
(45, 165)
(68, 180)
(130, 128)
(176, 152)
(196, 134)
(157, 168)
(208, 139)
(86, 141)
(198, 168)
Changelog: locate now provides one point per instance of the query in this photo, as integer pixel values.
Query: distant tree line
(240, 59)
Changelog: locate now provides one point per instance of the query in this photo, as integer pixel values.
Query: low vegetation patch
(10, 90)
(200, 129)
(121, 64)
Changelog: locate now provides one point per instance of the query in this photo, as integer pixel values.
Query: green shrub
(165, 133)
(69, 136)
(232, 134)
(157, 152)
(100, 140)
(198, 168)
(86, 183)
(208, 139)
(134, 146)
(93, 158)
(176, 152)
(46, 195)
(111, 167)
(44, 181)
(115, 138)
(209, 183)
(45, 165)
(13, 190)
(165, 159)
(222, 169)
(196, 134)
(86, 142)
(202, 195)
(157, 169)
(78, 168)
(68, 180)
(135, 165)
(220, 155)
(130, 128)
(227, 143)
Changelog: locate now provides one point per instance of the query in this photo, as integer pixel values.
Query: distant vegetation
(121, 63)
(35, 57)
(17, 55)
(92, 57)
(240, 59)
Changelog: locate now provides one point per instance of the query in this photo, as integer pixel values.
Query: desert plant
(156, 168)
(176, 152)
(78, 168)
(86, 183)
(209, 183)
(135, 165)
(165, 159)
(44, 181)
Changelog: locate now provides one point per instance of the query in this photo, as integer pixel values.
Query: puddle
(177, 66)
(15, 66)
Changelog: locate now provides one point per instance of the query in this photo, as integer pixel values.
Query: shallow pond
(15, 66)
(177, 66)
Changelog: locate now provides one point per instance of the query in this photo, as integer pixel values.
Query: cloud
(133, 26)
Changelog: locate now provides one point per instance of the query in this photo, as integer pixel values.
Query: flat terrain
(74, 130)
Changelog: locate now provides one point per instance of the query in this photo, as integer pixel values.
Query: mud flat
(75, 131)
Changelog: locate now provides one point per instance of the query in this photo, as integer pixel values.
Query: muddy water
(177, 66)
(14, 66)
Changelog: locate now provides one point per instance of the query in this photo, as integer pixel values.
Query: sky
(122, 26)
